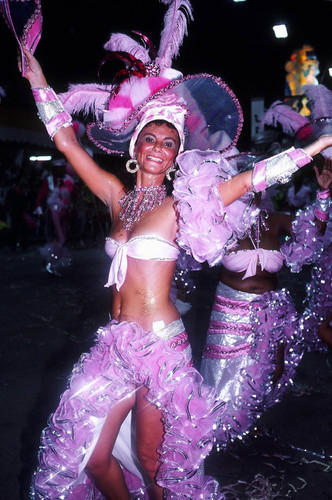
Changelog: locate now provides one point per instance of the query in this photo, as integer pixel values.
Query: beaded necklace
(132, 208)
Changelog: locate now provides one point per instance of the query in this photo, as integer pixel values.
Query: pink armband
(278, 168)
(51, 110)
(322, 206)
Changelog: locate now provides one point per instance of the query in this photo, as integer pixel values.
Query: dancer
(56, 189)
(254, 344)
(142, 358)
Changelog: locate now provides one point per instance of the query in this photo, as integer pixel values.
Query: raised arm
(103, 184)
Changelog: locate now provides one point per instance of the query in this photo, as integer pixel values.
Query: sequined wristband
(50, 110)
(322, 206)
(278, 169)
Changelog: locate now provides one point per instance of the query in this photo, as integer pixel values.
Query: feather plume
(319, 100)
(124, 43)
(175, 27)
(287, 117)
(86, 98)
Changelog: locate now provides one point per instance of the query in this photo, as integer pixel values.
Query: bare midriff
(144, 296)
(263, 281)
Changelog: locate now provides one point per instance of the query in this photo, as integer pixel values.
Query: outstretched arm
(103, 184)
(277, 169)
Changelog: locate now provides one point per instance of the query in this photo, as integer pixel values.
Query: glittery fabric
(306, 244)
(50, 110)
(207, 229)
(240, 355)
(278, 168)
(123, 358)
(318, 302)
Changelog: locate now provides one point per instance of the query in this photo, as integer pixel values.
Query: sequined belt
(176, 337)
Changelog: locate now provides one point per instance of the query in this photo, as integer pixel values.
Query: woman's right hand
(34, 73)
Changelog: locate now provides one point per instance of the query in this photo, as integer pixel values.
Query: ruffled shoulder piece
(306, 244)
(207, 229)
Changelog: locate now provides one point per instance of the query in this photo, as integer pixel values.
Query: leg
(56, 218)
(102, 466)
(149, 430)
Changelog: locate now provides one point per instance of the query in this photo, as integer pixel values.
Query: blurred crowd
(41, 202)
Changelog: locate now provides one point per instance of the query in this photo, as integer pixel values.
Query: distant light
(40, 158)
(280, 31)
(239, 0)
(330, 71)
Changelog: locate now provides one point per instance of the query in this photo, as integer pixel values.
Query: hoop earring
(169, 171)
(129, 169)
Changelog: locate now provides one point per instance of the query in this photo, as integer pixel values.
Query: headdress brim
(215, 117)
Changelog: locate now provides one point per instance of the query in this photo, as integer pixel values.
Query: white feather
(86, 98)
(175, 27)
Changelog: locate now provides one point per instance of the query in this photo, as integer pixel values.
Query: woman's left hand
(324, 179)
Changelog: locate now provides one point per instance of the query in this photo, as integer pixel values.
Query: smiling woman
(157, 147)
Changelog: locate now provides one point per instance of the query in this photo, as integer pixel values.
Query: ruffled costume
(123, 358)
(240, 354)
(318, 299)
(207, 229)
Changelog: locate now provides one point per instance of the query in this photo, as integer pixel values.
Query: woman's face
(156, 148)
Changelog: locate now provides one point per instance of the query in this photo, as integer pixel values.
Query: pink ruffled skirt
(123, 358)
(240, 355)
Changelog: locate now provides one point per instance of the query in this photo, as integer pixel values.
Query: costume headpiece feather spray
(213, 118)
(88, 98)
(304, 129)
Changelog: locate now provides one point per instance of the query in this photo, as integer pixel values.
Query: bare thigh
(149, 429)
(105, 444)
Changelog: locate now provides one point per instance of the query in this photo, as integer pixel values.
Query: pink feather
(86, 98)
(287, 117)
(124, 43)
(319, 100)
(175, 27)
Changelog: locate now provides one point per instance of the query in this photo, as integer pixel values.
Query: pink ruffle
(207, 229)
(274, 321)
(318, 302)
(306, 244)
(125, 356)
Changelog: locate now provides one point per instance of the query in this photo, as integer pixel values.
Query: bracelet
(50, 110)
(278, 168)
(322, 206)
(322, 195)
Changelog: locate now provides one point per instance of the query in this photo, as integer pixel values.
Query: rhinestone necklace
(132, 208)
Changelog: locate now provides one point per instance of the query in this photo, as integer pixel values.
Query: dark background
(232, 40)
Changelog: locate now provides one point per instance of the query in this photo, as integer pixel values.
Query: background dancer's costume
(246, 329)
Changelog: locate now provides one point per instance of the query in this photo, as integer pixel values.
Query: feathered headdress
(304, 129)
(214, 118)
